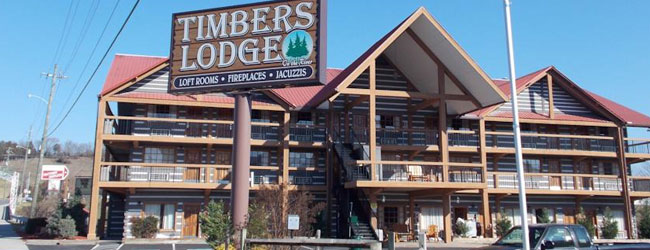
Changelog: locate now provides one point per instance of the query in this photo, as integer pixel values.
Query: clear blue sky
(603, 46)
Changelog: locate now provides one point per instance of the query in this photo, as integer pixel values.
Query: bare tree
(301, 203)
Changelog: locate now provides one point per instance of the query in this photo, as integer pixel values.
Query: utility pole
(37, 180)
(25, 182)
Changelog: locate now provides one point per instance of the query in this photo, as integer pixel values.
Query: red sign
(54, 172)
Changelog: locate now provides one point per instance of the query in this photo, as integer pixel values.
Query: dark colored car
(556, 236)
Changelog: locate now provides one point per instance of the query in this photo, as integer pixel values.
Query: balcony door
(191, 220)
(360, 128)
(192, 156)
(555, 182)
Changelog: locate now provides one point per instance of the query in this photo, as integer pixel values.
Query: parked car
(557, 236)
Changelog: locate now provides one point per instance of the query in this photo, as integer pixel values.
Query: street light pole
(35, 192)
(515, 127)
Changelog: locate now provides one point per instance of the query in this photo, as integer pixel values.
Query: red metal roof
(631, 117)
(298, 97)
(127, 67)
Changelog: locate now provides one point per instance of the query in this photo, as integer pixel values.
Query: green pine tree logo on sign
(297, 45)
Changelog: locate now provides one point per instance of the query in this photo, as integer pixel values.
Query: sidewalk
(9, 239)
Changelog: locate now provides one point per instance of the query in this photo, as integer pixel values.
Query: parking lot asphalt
(120, 247)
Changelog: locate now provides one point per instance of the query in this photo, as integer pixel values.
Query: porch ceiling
(416, 64)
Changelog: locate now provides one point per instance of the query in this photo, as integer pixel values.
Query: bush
(503, 224)
(581, 219)
(610, 226)
(461, 228)
(643, 223)
(60, 227)
(146, 227)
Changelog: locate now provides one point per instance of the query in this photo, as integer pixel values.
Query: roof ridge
(139, 55)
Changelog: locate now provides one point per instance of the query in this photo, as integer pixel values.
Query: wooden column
(622, 162)
(99, 148)
(285, 148)
(372, 128)
(485, 202)
(347, 121)
(485, 210)
(442, 125)
(446, 216)
(549, 85)
(412, 213)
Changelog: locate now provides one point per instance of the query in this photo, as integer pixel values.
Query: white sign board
(54, 172)
(53, 185)
(13, 195)
(294, 222)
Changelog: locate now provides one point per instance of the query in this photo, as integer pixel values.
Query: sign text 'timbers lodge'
(256, 46)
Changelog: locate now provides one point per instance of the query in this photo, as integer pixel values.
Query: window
(456, 124)
(161, 111)
(224, 114)
(301, 159)
(259, 158)
(583, 238)
(304, 118)
(390, 216)
(260, 116)
(164, 211)
(560, 236)
(159, 155)
(532, 165)
(388, 121)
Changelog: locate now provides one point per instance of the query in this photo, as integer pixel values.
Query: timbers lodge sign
(255, 46)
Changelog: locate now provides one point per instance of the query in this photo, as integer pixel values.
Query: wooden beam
(372, 123)
(271, 107)
(356, 102)
(99, 148)
(285, 148)
(412, 214)
(446, 215)
(442, 127)
(624, 178)
(553, 122)
(347, 122)
(485, 210)
(551, 105)
(404, 94)
(424, 104)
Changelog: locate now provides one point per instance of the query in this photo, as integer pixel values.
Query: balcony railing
(180, 173)
(417, 172)
(637, 146)
(307, 177)
(463, 138)
(168, 127)
(639, 183)
(414, 137)
(307, 133)
(552, 141)
(555, 181)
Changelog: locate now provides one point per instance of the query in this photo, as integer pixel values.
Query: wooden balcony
(410, 175)
(552, 144)
(639, 186)
(556, 183)
(637, 148)
(196, 176)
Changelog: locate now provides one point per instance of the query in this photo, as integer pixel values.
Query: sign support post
(241, 151)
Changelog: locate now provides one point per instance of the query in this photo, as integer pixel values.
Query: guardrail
(552, 141)
(555, 181)
(419, 171)
(307, 133)
(637, 146)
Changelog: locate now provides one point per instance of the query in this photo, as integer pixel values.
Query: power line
(92, 53)
(96, 68)
(82, 33)
(65, 32)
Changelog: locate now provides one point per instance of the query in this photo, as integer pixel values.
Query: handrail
(183, 165)
(639, 177)
(454, 131)
(637, 139)
(161, 119)
(552, 135)
(556, 174)
(422, 163)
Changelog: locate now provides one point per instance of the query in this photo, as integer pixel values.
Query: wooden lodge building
(413, 133)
